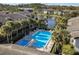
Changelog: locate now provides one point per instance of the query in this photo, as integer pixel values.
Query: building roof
(25, 13)
(73, 26)
(16, 16)
(13, 16)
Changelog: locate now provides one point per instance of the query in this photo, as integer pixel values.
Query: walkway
(12, 49)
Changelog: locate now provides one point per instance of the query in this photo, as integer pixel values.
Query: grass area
(68, 49)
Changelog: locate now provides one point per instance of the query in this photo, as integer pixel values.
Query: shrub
(68, 49)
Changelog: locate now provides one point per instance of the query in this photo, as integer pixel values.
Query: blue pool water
(41, 38)
(22, 42)
(38, 44)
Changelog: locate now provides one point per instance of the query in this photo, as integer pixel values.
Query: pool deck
(12, 49)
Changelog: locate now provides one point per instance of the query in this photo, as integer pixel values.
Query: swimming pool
(24, 41)
(41, 39)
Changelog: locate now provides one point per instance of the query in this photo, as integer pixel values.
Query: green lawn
(68, 49)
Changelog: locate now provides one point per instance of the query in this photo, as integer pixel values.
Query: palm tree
(60, 35)
(57, 49)
(24, 23)
(5, 32)
(17, 25)
(14, 26)
(10, 24)
(65, 36)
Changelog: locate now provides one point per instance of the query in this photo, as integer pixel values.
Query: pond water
(51, 23)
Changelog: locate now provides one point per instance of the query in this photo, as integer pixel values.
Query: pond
(51, 23)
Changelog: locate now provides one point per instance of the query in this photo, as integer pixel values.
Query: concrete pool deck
(12, 49)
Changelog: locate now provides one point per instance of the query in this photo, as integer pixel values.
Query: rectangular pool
(41, 39)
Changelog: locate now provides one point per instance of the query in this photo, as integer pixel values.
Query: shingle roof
(73, 27)
(15, 16)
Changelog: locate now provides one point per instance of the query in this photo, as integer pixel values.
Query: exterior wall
(72, 41)
(58, 12)
(55, 12)
(75, 43)
(45, 12)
